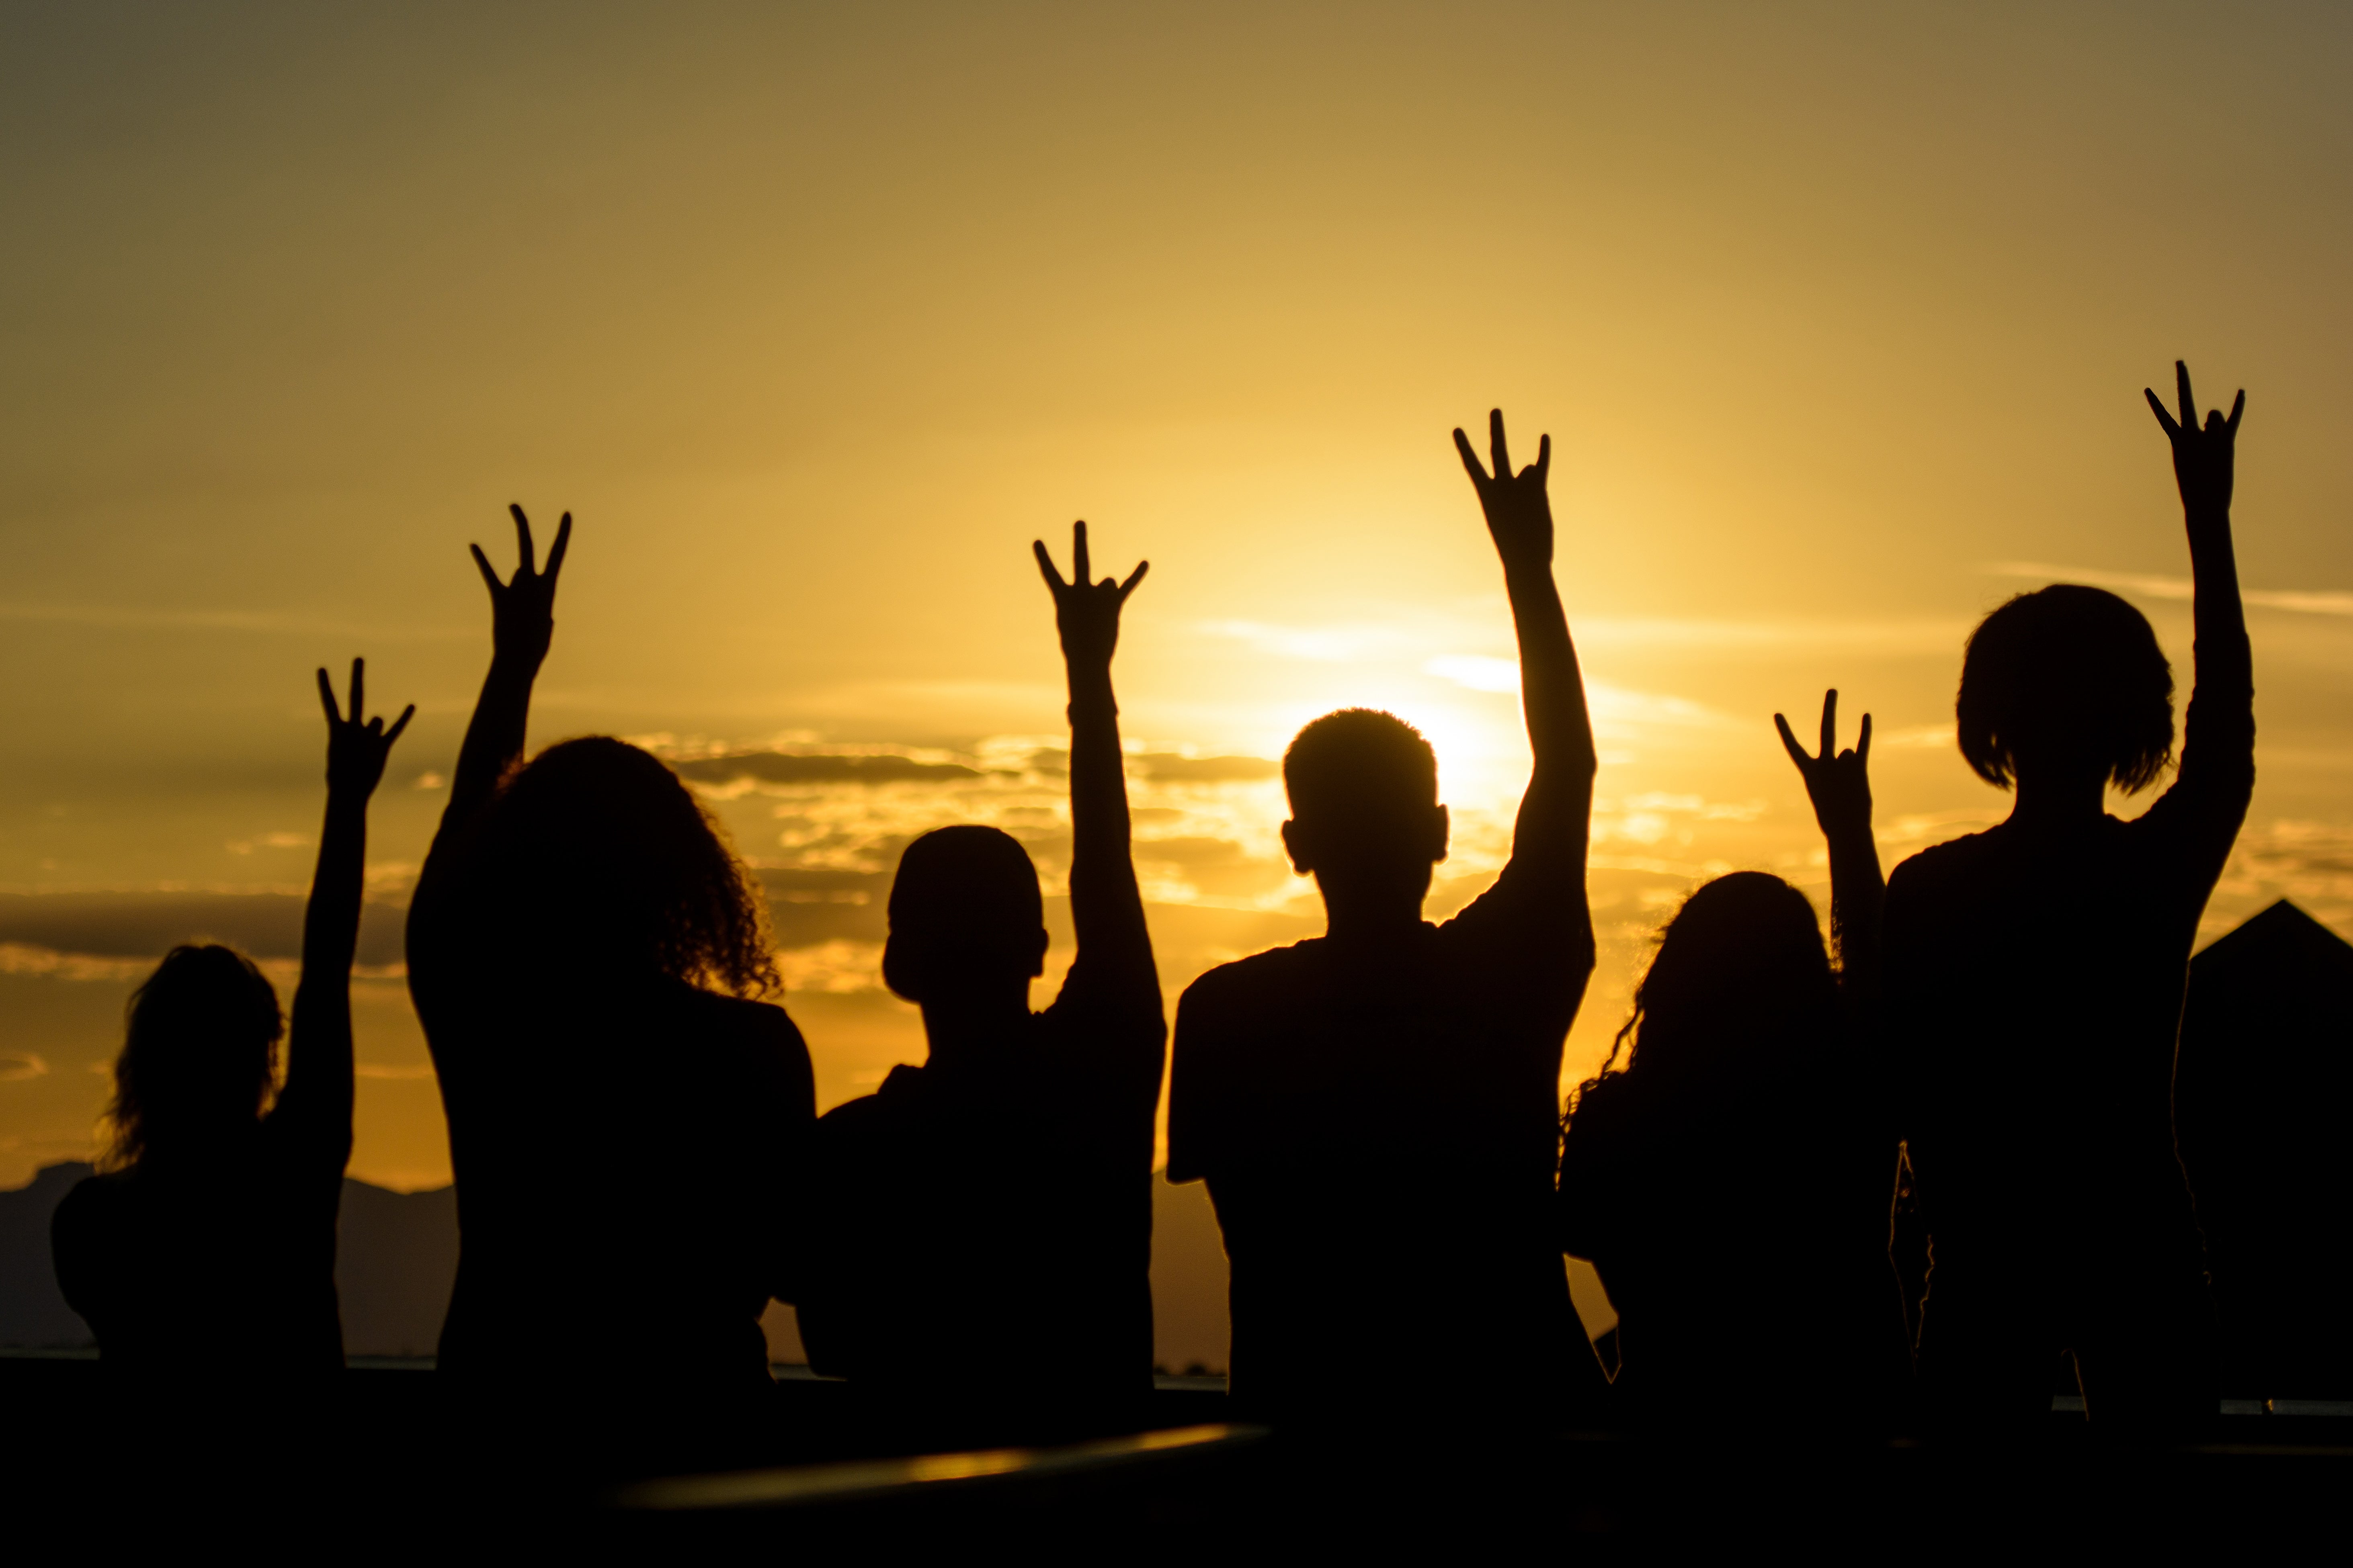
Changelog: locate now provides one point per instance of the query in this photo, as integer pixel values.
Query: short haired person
(2036, 973)
(983, 1249)
(1376, 1110)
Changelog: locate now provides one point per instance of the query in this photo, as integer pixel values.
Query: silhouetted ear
(901, 970)
(1037, 954)
(1292, 846)
(1440, 828)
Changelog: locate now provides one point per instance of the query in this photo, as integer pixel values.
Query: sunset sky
(815, 316)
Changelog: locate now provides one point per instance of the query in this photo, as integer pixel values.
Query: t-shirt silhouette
(1741, 1229)
(624, 1148)
(222, 1260)
(985, 1223)
(1378, 1124)
(2035, 996)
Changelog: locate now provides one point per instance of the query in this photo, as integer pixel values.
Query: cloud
(19, 1065)
(1919, 635)
(1475, 672)
(139, 927)
(1173, 768)
(408, 1072)
(817, 768)
(2309, 601)
(1340, 644)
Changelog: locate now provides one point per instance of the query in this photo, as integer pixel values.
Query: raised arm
(1555, 814)
(1106, 906)
(1838, 783)
(318, 1093)
(523, 621)
(2218, 734)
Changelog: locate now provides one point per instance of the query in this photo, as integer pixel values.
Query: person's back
(615, 1212)
(1732, 1183)
(2036, 975)
(1376, 1110)
(626, 1119)
(984, 1220)
(207, 1251)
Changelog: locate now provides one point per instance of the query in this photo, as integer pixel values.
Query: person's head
(966, 921)
(1741, 983)
(199, 1055)
(2066, 683)
(1364, 818)
(596, 858)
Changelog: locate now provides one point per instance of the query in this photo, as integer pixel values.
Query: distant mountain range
(396, 1257)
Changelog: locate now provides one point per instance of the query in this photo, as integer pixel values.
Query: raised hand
(1838, 783)
(356, 751)
(1086, 611)
(522, 609)
(2202, 459)
(1519, 513)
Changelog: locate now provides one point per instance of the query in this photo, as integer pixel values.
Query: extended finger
(2188, 399)
(1544, 458)
(2238, 406)
(402, 724)
(1499, 448)
(1081, 565)
(1829, 724)
(523, 540)
(359, 687)
(1789, 743)
(1862, 745)
(1132, 579)
(482, 564)
(2158, 405)
(327, 699)
(1471, 459)
(563, 543)
(1046, 565)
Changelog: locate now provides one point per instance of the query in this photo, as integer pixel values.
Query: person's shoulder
(1247, 979)
(1939, 863)
(90, 1201)
(742, 1019)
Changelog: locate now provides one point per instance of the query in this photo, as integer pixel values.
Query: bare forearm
(1858, 900)
(494, 737)
(2218, 618)
(1104, 899)
(319, 1045)
(1552, 693)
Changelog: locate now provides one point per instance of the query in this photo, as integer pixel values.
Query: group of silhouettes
(1378, 1112)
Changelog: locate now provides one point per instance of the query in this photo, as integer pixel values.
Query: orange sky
(815, 317)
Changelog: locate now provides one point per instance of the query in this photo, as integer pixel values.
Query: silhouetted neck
(967, 1028)
(1381, 925)
(2059, 803)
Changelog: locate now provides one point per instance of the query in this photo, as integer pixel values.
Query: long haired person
(988, 1214)
(625, 1110)
(2036, 973)
(1731, 1181)
(208, 1242)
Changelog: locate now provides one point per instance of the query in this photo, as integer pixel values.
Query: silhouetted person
(1376, 1110)
(1731, 1183)
(207, 1249)
(2261, 1093)
(988, 1216)
(2036, 973)
(624, 1115)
